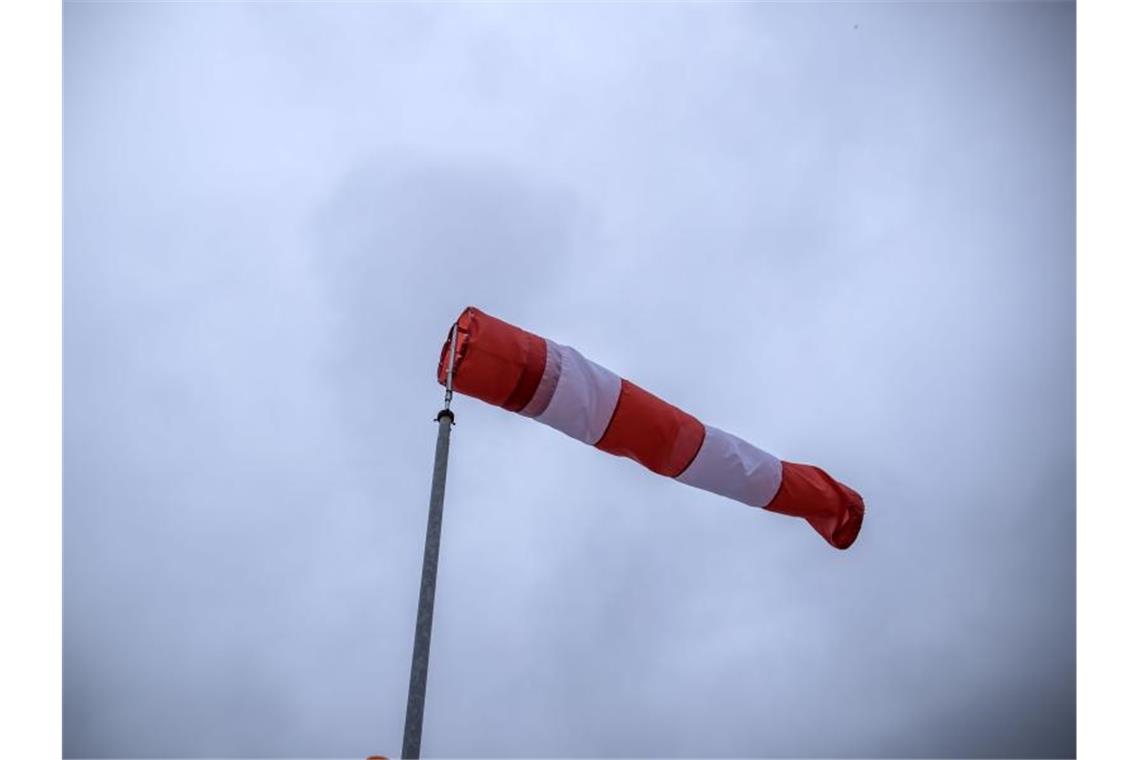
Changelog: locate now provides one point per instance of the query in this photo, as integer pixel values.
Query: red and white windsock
(509, 367)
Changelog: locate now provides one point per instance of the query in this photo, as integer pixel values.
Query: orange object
(509, 367)
(652, 432)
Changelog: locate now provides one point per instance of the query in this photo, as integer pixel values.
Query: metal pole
(417, 685)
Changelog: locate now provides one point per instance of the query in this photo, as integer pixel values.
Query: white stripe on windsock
(584, 397)
(732, 467)
(551, 371)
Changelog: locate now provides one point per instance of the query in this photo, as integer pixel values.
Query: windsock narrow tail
(522, 372)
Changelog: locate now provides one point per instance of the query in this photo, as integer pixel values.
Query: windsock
(509, 367)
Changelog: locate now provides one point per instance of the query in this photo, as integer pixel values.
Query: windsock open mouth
(509, 367)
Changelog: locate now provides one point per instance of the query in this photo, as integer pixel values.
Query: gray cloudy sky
(842, 231)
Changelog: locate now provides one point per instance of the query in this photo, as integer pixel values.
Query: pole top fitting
(450, 415)
(450, 370)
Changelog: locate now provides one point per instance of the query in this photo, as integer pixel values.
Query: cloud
(853, 247)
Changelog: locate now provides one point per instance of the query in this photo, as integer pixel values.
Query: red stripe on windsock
(494, 360)
(535, 349)
(833, 509)
(652, 432)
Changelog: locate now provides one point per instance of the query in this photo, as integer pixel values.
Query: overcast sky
(844, 232)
